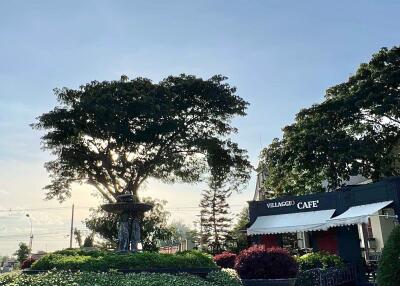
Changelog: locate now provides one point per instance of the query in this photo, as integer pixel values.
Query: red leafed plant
(259, 263)
(225, 259)
(27, 263)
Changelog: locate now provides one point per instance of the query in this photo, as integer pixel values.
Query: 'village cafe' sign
(299, 205)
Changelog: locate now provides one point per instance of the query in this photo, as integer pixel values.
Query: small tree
(22, 252)
(389, 264)
(237, 239)
(89, 240)
(215, 221)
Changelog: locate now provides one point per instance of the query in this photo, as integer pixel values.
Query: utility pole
(72, 227)
(30, 236)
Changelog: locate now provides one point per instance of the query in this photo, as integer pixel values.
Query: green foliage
(89, 241)
(389, 264)
(22, 252)
(154, 225)
(224, 277)
(104, 261)
(115, 135)
(237, 239)
(353, 131)
(320, 260)
(107, 279)
(8, 277)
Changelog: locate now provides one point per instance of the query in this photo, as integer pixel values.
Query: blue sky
(281, 55)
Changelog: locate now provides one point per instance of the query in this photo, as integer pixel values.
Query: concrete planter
(269, 282)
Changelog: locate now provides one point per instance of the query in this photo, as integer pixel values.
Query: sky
(281, 56)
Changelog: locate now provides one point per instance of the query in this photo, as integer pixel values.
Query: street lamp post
(31, 236)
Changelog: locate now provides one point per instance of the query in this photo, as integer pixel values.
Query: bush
(259, 263)
(224, 277)
(225, 259)
(27, 263)
(320, 260)
(106, 279)
(104, 261)
(389, 264)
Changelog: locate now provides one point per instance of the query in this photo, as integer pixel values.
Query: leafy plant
(225, 259)
(320, 260)
(389, 264)
(104, 279)
(259, 263)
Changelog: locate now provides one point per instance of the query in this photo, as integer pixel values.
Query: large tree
(115, 135)
(355, 130)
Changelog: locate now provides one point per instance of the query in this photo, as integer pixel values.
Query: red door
(269, 241)
(327, 241)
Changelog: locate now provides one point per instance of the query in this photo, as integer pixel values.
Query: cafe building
(353, 222)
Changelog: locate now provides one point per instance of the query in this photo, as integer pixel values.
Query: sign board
(301, 205)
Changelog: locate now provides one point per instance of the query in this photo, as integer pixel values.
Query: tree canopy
(355, 130)
(22, 252)
(115, 135)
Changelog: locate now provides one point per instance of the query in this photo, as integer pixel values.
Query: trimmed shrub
(27, 263)
(259, 263)
(224, 277)
(106, 279)
(389, 264)
(225, 259)
(322, 260)
(104, 261)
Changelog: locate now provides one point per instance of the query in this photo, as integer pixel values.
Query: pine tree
(215, 221)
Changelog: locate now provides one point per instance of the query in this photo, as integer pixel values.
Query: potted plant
(258, 266)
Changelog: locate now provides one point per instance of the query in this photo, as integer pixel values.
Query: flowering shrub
(114, 279)
(259, 263)
(320, 260)
(224, 277)
(27, 263)
(225, 259)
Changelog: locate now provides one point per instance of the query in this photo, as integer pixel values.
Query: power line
(176, 208)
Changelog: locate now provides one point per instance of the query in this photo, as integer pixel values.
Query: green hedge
(218, 278)
(389, 264)
(320, 260)
(104, 261)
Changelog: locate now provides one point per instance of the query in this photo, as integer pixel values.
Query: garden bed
(99, 261)
(66, 278)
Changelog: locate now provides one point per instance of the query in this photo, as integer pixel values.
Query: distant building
(9, 264)
(38, 255)
(261, 193)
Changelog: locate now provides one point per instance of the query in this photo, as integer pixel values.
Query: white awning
(293, 222)
(357, 214)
